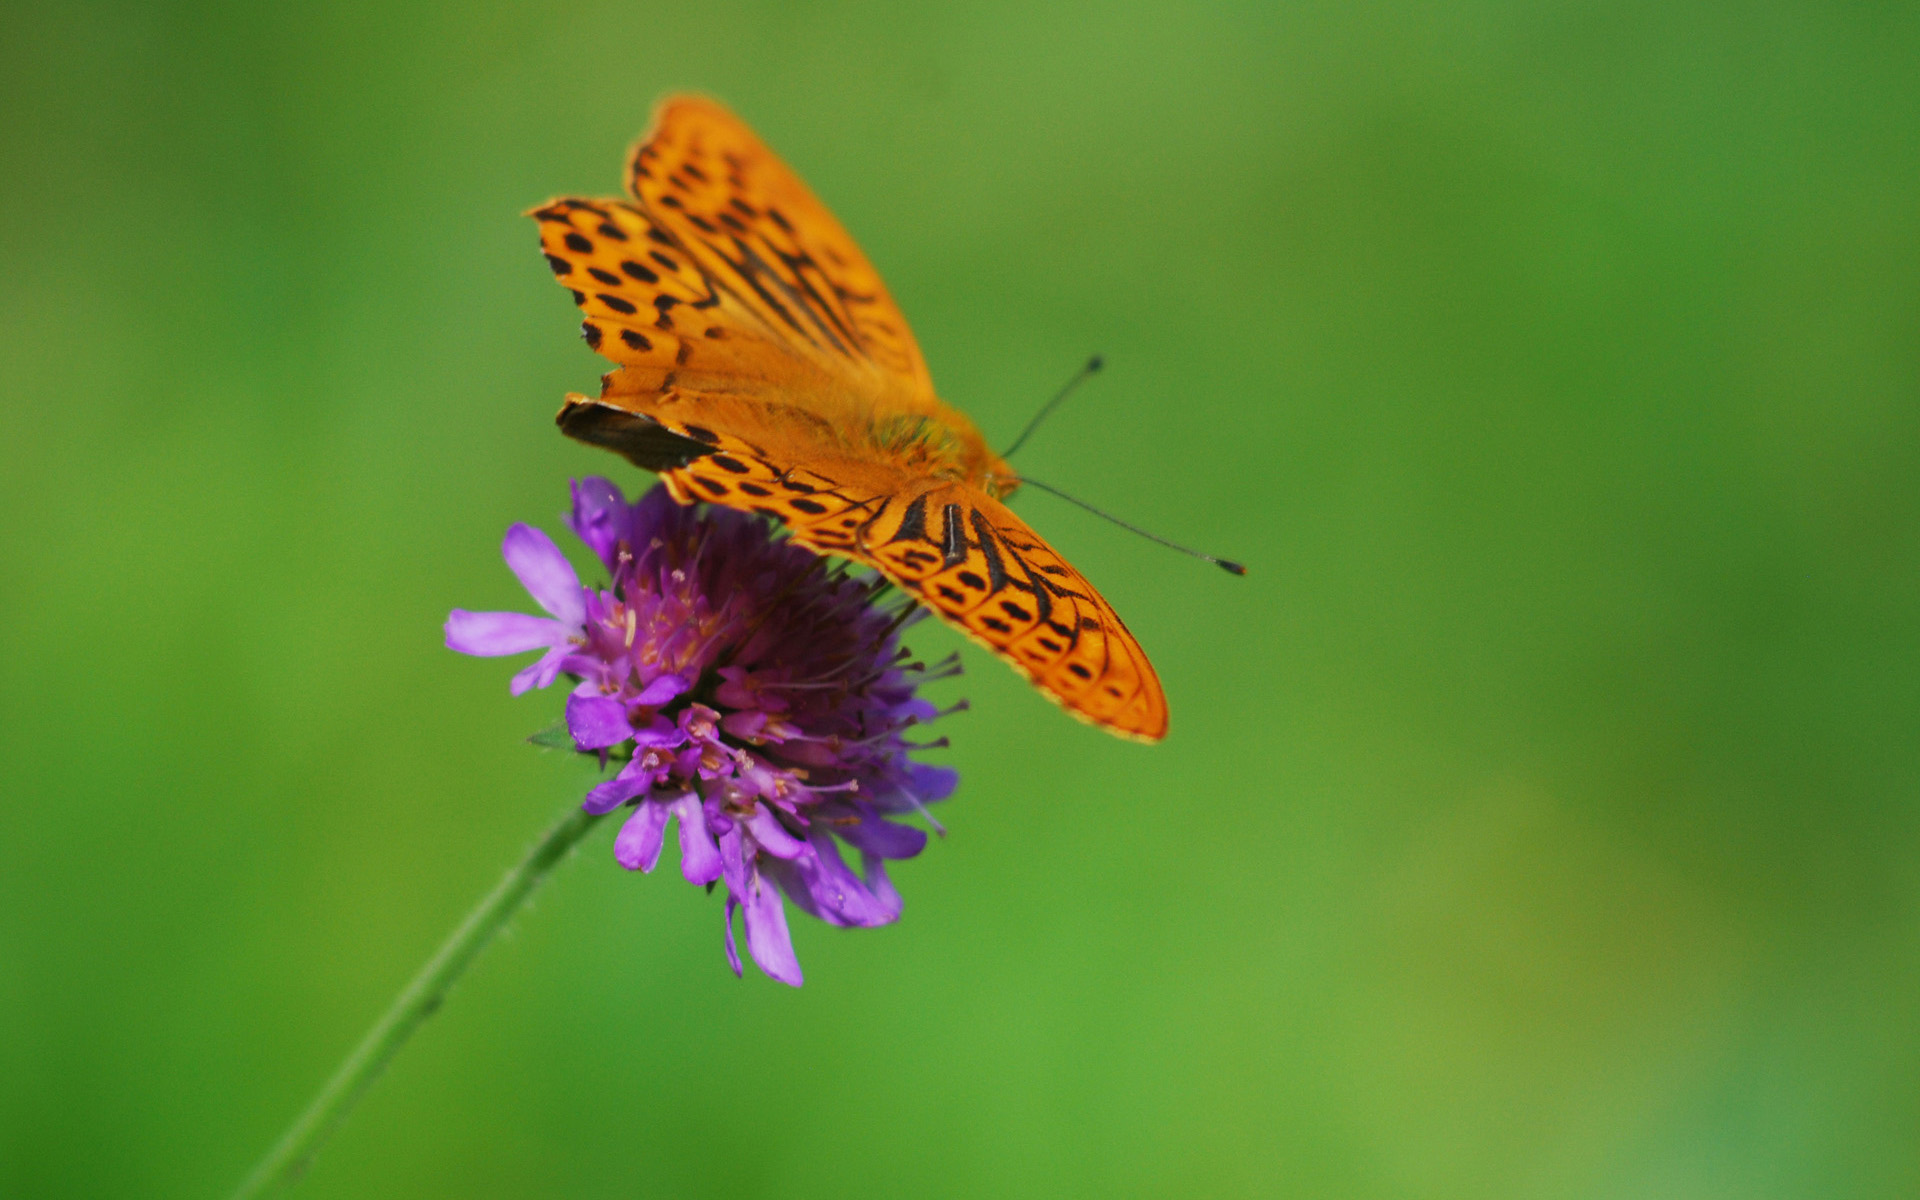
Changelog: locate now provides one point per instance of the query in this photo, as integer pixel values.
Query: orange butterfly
(764, 367)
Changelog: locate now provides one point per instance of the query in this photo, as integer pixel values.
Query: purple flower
(756, 699)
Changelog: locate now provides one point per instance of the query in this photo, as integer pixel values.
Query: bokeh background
(1541, 815)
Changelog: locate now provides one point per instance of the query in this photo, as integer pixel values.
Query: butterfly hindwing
(819, 512)
(985, 572)
(967, 558)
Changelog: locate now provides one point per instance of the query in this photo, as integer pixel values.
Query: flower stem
(418, 1001)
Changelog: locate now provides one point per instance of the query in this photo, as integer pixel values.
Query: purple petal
(767, 937)
(733, 951)
(842, 897)
(659, 734)
(650, 511)
(542, 671)
(878, 883)
(734, 692)
(661, 690)
(794, 887)
(933, 783)
(884, 839)
(699, 721)
(599, 517)
(699, 857)
(597, 722)
(772, 836)
(922, 711)
(492, 634)
(637, 848)
(607, 796)
(745, 724)
(545, 573)
(811, 754)
(733, 864)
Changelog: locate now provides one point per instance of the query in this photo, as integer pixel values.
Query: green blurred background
(1541, 815)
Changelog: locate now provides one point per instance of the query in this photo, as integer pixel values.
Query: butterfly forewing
(647, 306)
(760, 233)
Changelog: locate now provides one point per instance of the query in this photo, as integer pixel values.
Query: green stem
(420, 999)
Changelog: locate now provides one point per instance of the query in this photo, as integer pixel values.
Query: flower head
(753, 696)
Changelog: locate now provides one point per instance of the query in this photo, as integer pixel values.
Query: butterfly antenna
(1225, 564)
(1085, 373)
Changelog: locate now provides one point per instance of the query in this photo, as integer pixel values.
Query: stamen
(944, 669)
(907, 613)
(921, 808)
(850, 785)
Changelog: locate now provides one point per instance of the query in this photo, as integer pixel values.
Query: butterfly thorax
(942, 445)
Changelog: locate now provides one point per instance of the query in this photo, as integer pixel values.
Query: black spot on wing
(1035, 584)
(913, 523)
(996, 570)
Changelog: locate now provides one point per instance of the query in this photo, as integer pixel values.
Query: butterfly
(763, 366)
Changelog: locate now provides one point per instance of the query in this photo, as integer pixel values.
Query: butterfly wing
(963, 555)
(724, 275)
(648, 306)
(761, 235)
(971, 560)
